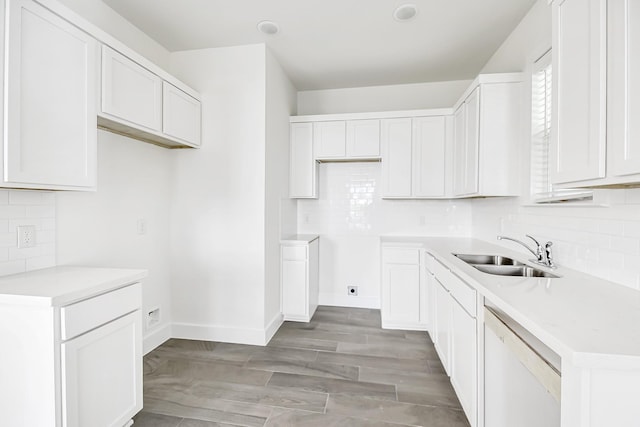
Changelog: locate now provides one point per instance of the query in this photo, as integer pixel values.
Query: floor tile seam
(377, 356)
(168, 357)
(240, 414)
(374, 420)
(459, 409)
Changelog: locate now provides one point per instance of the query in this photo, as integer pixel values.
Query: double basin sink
(503, 266)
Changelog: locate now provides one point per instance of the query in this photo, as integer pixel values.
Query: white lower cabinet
(441, 331)
(464, 359)
(455, 336)
(96, 365)
(299, 278)
(75, 364)
(404, 291)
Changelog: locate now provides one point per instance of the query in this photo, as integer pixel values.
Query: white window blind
(542, 191)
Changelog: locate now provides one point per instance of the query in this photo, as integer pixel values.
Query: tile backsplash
(37, 208)
(350, 216)
(602, 240)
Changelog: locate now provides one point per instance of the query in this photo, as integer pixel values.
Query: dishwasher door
(521, 388)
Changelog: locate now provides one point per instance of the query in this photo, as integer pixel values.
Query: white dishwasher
(522, 376)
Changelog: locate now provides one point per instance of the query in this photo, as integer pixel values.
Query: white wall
(102, 16)
(101, 228)
(218, 197)
(381, 98)
(280, 211)
(602, 241)
(350, 216)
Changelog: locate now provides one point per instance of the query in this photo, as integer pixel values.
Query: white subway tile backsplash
(350, 215)
(21, 207)
(12, 267)
(17, 197)
(600, 241)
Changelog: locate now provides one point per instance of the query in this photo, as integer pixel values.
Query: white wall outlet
(26, 236)
(352, 290)
(153, 317)
(141, 226)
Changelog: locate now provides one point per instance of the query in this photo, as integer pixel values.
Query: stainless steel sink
(503, 266)
(518, 271)
(488, 259)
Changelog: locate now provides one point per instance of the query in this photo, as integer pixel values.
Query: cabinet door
(623, 88)
(363, 138)
(329, 140)
(294, 288)
(130, 92)
(429, 145)
(50, 139)
(401, 287)
(459, 159)
(442, 334)
(302, 166)
(464, 370)
(396, 157)
(180, 115)
(578, 141)
(102, 374)
(471, 142)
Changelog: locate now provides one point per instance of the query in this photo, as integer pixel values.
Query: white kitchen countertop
(62, 285)
(580, 317)
(299, 238)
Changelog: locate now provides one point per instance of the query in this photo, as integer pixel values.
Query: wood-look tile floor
(340, 369)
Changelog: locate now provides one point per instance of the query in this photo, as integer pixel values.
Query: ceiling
(324, 44)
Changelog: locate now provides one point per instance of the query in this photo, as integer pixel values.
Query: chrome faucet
(542, 253)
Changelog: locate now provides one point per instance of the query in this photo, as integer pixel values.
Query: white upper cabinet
(396, 158)
(346, 140)
(130, 92)
(578, 142)
(623, 126)
(180, 115)
(486, 134)
(414, 157)
(139, 103)
(50, 101)
(466, 145)
(363, 138)
(429, 158)
(329, 140)
(302, 165)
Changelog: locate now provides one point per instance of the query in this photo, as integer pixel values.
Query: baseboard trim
(273, 327)
(191, 331)
(156, 337)
(349, 301)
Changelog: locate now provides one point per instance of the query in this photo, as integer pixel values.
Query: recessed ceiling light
(405, 12)
(268, 27)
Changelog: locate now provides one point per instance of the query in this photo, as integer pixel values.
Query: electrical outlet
(26, 236)
(153, 317)
(141, 226)
(352, 290)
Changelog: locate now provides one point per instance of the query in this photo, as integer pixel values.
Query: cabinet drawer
(442, 273)
(463, 293)
(294, 252)
(401, 255)
(85, 315)
(429, 262)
